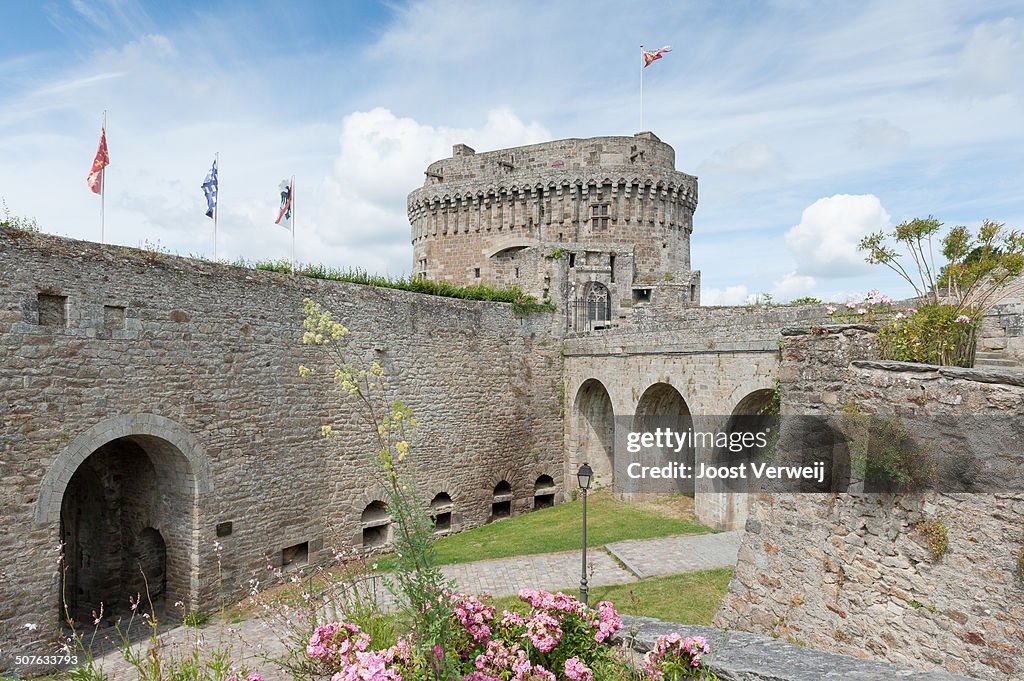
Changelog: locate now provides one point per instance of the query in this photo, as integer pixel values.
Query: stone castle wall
(852, 572)
(475, 212)
(193, 366)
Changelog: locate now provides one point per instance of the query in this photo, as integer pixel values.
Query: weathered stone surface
(855, 574)
(203, 382)
(738, 656)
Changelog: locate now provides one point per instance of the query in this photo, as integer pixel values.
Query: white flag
(284, 217)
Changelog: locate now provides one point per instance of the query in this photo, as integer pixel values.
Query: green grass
(558, 529)
(521, 301)
(691, 598)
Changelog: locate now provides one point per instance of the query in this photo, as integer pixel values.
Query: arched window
(599, 307)
(544, 492)
(376, 521)
(501, 503)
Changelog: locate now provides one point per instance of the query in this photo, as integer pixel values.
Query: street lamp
(584, 475)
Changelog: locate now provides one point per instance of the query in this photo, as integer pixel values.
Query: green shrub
(932, 334)
(884, 454)
(936, 536)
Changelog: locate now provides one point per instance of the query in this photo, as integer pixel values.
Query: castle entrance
(126, 519)
(594, 430)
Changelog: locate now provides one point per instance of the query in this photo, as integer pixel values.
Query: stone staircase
(994, 359)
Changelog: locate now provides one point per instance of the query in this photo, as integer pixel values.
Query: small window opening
(294, 557)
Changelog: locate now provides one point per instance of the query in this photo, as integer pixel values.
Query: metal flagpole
(103, 184)
(291, 193)
(216, 206)
(641, 88)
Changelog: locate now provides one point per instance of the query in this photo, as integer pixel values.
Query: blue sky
(808, 124)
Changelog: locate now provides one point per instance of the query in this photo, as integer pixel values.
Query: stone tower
(597, 225)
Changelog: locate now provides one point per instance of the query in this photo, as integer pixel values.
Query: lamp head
(585, 475)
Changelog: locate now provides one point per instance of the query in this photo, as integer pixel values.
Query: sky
(808, 124)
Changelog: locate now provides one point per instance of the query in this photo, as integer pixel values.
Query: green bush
(884, 454)
(933, 334)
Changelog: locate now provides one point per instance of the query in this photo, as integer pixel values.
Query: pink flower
(543, 631)
(575, 670)
(911, 310)
(861, 310)
(831, 309)
(963, 319)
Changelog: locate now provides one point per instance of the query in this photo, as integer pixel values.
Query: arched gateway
(124, 498)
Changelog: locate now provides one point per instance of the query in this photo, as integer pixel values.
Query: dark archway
(126, 522)
(662, 407)
(544, 492)
(594, 430)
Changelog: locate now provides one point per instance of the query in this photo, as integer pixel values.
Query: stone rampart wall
(197, 364)
(855, 573)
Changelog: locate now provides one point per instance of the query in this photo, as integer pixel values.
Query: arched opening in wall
(376, 523)
(752, 415)
(809, 441)
(544, 492)
(441, 508)
(126, 524)
(662, 407)
(594, 431)
(501, 502)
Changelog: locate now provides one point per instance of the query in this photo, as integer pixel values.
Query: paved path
(621, 563)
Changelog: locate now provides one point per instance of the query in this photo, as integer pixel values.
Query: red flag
(101, 161)
(651, 57)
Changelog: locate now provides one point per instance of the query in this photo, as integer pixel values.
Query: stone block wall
(854, 573)
(194, 365)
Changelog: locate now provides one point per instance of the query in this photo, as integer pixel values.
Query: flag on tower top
(284, 217)
(210, 189)
(101, 161)
(651, 57)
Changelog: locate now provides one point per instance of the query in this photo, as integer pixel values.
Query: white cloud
(382, 159)
(878, 135)
(731, 295)
(825, 242)
(792, 286)
(993, 59)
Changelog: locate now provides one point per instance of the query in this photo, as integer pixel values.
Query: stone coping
(739, 656)
(931, 371)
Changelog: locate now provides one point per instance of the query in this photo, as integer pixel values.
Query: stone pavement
(623, 562)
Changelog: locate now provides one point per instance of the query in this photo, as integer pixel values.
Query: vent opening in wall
(693, 292)
(294, 557)
(441, 513)
(641, 295)
(501, 503)
(53, 310)
(113, 317)
(224, 529)
(544, 492)
(476, 272)
(376, 522)
(572, 260)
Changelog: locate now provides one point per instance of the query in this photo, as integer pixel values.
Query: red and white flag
(651, 57)
(101, 161)
(284, 215)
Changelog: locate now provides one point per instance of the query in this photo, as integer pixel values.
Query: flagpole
(216, 206)
(293, 223)
(641, 88)
(103, 185)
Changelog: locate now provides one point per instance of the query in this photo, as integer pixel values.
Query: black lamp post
(584, 475)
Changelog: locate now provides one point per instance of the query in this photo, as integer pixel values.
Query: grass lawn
(691, 598)
(559, 529)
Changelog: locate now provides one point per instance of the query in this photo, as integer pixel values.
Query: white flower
(31, 626)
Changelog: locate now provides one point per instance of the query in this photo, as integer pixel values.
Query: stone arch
(441, 509)
(544, 490)
(124, 496)
(56, 479)
(594, 431)
(375, 521)
(752, 414)
(661, 406)
(501, 500)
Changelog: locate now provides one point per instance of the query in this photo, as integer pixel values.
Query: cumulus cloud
(382, 158)
(825, 242)
(792, 286)
(730, 295)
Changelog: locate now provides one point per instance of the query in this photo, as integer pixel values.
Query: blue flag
(210, 189)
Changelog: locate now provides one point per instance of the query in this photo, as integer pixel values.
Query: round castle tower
(604, 218)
